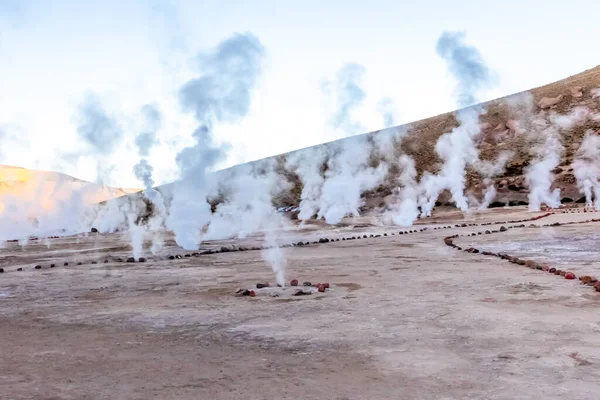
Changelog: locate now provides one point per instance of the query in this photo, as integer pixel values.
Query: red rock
(569, 275)
(321, 288)
(251, 293)
(552, 270)
(597, 286)
(294, 282)
(326, 285)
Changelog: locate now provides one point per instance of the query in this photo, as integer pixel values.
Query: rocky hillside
(505, 126)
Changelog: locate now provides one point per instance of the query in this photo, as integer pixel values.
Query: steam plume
(95, 126)
(221, 94)
(586, 168)
(307, 165)
(539, 176)
(386, 108)
(348, 95)
(347, 177)
(146, 139)
(465, 63)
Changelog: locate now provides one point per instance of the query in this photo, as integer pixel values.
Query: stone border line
(234, 248)
(532, 264)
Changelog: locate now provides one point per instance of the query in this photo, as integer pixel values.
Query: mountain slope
(45, 187)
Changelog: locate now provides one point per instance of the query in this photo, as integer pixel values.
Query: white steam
(586, 168)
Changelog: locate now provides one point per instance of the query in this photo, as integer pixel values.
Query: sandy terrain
(406, 317)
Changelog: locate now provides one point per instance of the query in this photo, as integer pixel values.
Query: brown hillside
(505, 127)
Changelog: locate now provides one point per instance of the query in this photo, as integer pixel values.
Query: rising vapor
(222, 93)
(465, 64)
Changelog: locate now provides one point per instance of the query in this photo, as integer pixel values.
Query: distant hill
(44, 187)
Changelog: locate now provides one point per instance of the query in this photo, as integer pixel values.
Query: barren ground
(406, 317)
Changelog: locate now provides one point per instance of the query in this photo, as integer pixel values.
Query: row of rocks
(225, 249)
(66, 263)
(587, 280)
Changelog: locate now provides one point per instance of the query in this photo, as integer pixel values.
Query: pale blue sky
(131, 53)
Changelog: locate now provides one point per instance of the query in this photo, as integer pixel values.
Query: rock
(325, 285)
(514, 127)
(545, 268)
(561, 273)
(487, 232)
(503, 229)
(251, 293)
(94, 230)
(171, 257)
(586, 279)
(94, 262)
(306, 284)
(323, 240)
(321, 288)
(577, 92)
(501, 127)
(485, 127)
(549, 102)
(52, 265)
(142, 259)
(569, 275)
(597, 286)
(552, 270)
(65, 264)
(294, 282)
(130, 259)
(105, 261)
(301, 292)
(38, 267)
(20, 269)
(1, 270)
(530, 264)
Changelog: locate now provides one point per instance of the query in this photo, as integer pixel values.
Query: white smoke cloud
(348, 94)
(307, 164)
(405, 205)
(586, 168)
(221, 94)
(546, 157)
(347, 177)
(385, 107)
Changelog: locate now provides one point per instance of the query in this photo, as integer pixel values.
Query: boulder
(577, 92)
(514, 127)
(549, 102)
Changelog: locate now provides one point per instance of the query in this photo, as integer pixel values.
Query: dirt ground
(406, 317)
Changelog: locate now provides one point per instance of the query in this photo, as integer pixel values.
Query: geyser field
(405, 316)
(453, 257)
